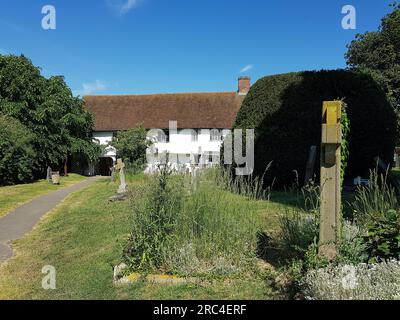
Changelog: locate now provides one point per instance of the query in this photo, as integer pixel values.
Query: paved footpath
(22, 220)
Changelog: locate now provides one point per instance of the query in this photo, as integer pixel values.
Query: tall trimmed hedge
(285, 111)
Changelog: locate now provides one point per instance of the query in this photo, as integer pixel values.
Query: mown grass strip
(12, 197)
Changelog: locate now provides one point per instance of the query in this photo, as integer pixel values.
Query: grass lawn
(12, 197)
(82, 239)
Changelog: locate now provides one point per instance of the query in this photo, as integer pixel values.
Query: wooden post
(330, 179)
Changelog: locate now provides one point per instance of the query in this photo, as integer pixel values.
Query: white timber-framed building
(201, 122)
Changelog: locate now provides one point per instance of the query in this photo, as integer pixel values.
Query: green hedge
(285, 111)
(16, 152)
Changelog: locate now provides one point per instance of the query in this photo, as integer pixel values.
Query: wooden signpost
(330, 178)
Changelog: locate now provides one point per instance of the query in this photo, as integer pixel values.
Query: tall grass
(191, 228)
(155, 207)
(248, 186)
(217, 230)
(299, 230)
(374, 201)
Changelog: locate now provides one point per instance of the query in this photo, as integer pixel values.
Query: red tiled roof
(191, 110)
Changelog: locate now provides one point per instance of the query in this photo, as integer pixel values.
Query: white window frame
(215, 135)
(194, 135)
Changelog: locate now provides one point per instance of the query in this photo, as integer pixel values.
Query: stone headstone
(49, 173)
(120, 166)
(310, 165)
(112, 171)
(359, 181)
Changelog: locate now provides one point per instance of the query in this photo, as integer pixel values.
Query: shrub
(298, 231)
(376, 209)
(383, 237)
(352, 247)
(16, 152)
(362, 282)
(299, 235)
(131, 146)
(285, 111)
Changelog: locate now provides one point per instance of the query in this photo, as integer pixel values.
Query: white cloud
(91, 88)
(129, 5)
(123, 6)
(247, 68)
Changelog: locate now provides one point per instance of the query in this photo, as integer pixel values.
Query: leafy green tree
(60, 124)
(131, 145)
(378, 54)
(16, 152)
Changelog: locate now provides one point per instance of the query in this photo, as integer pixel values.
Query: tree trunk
(66, 166)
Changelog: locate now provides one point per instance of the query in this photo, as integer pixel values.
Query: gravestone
(397, 157)
(195, 172)
(49, 173)
(112, 171)
(310, 165)
(120, 167)
(55, 177)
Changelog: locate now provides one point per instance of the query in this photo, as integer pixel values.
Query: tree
(378, 54)
(131, 145)
(16, 152)
(60, 124)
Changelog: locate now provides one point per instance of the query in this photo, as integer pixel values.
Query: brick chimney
(244, 86)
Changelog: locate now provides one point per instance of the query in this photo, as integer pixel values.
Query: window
(215, 135)
(162, 136)
(195, 135)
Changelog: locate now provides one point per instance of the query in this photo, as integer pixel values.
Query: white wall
(179, 143)
(104, 138)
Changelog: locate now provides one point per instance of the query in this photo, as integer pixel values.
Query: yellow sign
(331, 129)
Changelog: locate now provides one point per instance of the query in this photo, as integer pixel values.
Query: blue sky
(154, 46)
